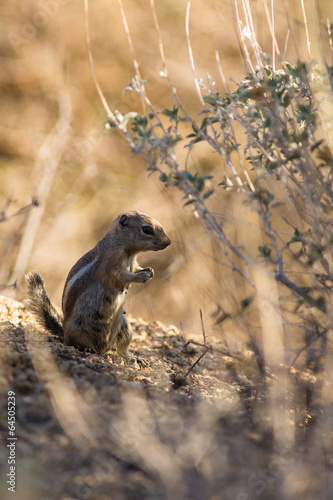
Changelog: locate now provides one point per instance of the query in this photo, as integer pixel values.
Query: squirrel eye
(148, 230)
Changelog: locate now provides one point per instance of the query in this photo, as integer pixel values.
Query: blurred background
(53, 146)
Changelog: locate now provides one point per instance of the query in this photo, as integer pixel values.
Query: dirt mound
(100, 427)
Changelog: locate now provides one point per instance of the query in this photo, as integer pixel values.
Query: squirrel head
(140, 232)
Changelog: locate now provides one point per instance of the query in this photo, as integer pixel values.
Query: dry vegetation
(46, 81)
(240, 175)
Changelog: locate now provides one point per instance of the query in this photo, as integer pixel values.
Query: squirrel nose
(166, 242)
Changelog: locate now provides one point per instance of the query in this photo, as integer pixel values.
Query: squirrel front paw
(144, 275)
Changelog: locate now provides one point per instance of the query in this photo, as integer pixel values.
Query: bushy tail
(41, 306)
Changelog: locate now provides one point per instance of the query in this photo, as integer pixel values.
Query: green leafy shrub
(276, 157)
(284, 144)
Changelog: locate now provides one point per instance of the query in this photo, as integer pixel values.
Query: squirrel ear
(123, 220)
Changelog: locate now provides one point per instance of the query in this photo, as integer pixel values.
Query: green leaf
(321, 303)
(272, 165)
(226, 183)
(316, 144)
(189, 202)
(187, 176)
(233, 146)
(268, 71)
(296, 237)
(210, 100)
(222, 317)
(264, 196)
(289, 66)
(246, 302)
(265, 251)
(207, 194)
(172, 114)
(194, 141)
(305, 113)
(285, 101)
(110, 124)
(277, 204)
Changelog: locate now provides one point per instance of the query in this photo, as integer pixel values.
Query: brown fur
(96, 286)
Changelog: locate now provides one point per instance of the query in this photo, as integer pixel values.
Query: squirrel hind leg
(124, 338)
(41, 305)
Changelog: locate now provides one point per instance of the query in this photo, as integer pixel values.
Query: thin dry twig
(205, 345)
(286, 45)
(184, 342)
(291, 31)
(242, 40)
(306, 29)
(189, 46)
(46, 164)
(330, 38)
(4, 215)
(108, 111)
(161, 48)
(221, 72)
(274, 42)
(254, 42)
(271, 24)
(165, 72)
(134, 59)
(12, 286)
(203, 328)
(207, 348)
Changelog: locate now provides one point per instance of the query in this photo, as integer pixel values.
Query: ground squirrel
(96, 286)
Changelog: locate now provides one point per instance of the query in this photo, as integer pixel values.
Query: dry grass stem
(190, 53)
(47, 162)
(108, 111)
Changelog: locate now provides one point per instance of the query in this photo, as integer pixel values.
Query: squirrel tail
(41, 306)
